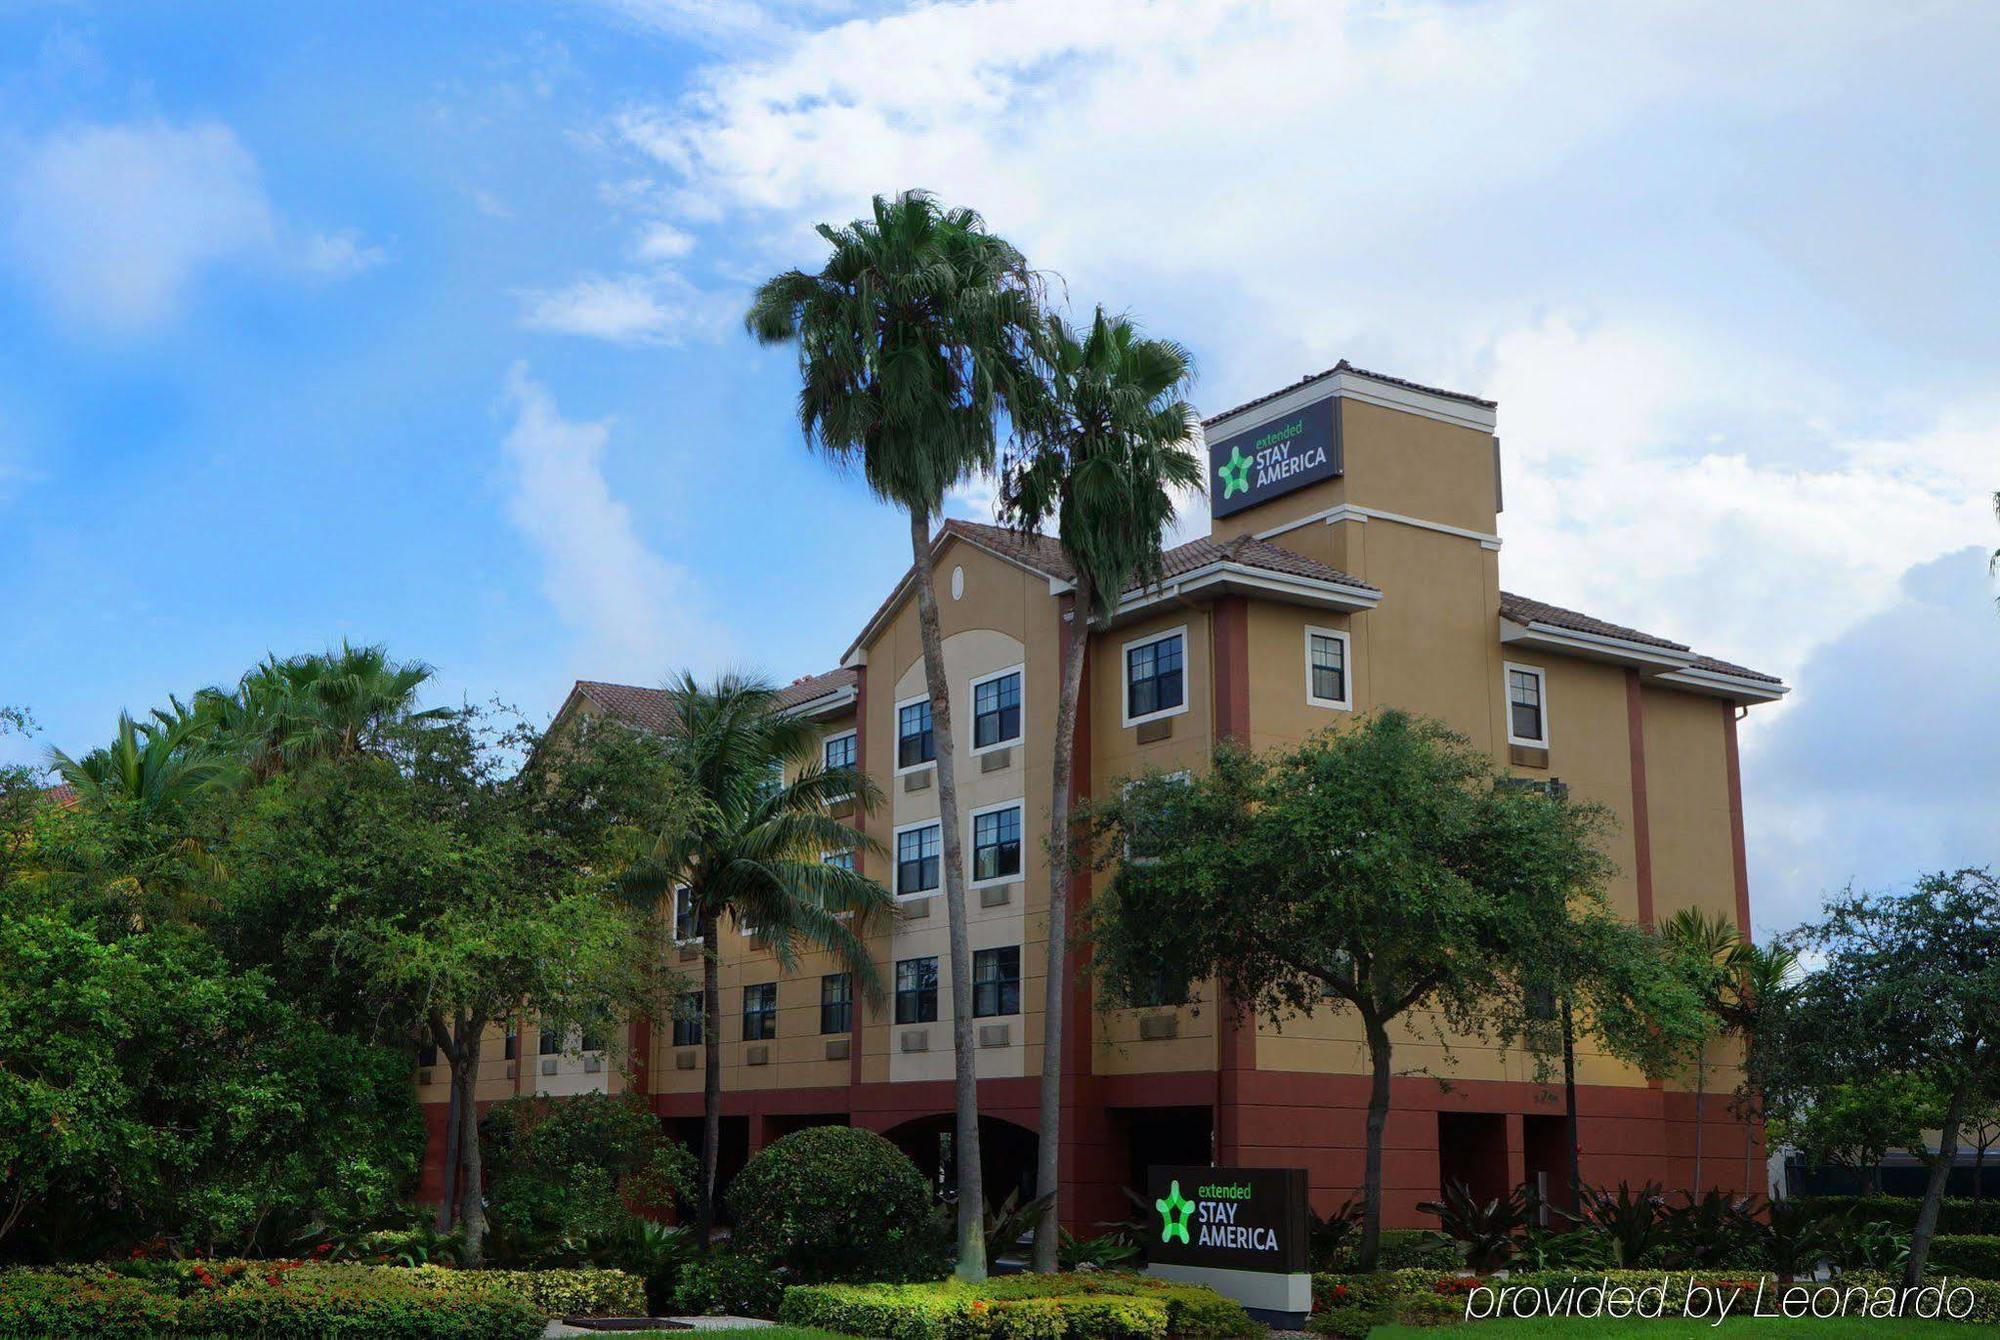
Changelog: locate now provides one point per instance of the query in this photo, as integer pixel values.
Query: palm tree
(1758, 984)
(1108, 445)
(753, 850)
(150, 778)
(316, 705)
(1707, 946)
(912, 339)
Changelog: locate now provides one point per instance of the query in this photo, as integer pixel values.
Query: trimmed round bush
(837, 1203)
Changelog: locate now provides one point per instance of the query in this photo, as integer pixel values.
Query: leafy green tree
(1587, 972)
(1108, 444)
(313, 705)
(744, 848)
(1908, 984)
(564, 1178)
(20, 795)
(913, 338)
(1853, 1124)
(1386, 868)
(1759, 991)
(425, 891)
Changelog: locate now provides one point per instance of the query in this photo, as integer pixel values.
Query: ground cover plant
(1096, 1305)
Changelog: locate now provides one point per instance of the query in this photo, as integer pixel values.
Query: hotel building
(1353, 561)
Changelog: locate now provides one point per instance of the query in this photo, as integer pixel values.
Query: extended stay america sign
(1229, 1218)
(1277, 456)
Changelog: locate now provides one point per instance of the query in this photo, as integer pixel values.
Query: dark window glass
(551, 1042)
(836, 1003)
(1329, 668)
(996, 711)
(687, 1021)
(914, 742)
(996, 981)
(686, 927)
(843, 859)
(1524, 704)
(760, 1012)
(513, 1042)
(1541, 1003)
(917, 859)
(427, 1055)
(916, 990)
(593, 1040)
(996, 844)
(1153, 677)
(840, 752)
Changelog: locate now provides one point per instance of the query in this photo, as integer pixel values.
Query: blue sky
(418, 324)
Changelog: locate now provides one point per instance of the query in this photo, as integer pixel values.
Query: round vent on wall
(957, 583)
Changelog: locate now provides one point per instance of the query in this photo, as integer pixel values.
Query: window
(996, 981)
(1541, 1003)
(593, 1039)
(551, 1042)
(427, 1055)
(687, 1021)
(996, 711)
(917, 860)
(760, 1012)
(1527, 708)
(1156, 677)
(915, 745)
(513, 1041)
(836, 1003)
(687, 927)
(843, 859)
(773, 781)
(1326, 668)
(996, 845)
(839, 751)
(916, 990)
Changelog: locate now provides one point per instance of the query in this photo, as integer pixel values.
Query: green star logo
(1235, 475)
(1174, 1212)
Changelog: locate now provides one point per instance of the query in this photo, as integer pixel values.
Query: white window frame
(1508, 669)
(1125, 676)
(896, 860)
(854, 735)
(972, 706)
(896, 736)
(674, 917)
(1346, 669)
(972, 849)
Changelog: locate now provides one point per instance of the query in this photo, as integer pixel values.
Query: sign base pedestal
(1280, 1301)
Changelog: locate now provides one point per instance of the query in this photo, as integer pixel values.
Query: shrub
(728, 1283)
(1956, 1215)
(1706, 1232)
(1349, 1323)
(263, 1298)
(1483, 1230)
(1021, 1307)
(556, 1293)
(1973, 1256)
(837, 1203)
(1107, 1251)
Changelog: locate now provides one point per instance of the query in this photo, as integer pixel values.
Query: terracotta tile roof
(1039, 552)
(1523, 610)
(1043, 554)
(1344, 366)
(640, 708)
(651, 710)
(62, 793)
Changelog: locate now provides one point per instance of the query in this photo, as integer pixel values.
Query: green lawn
(1675, 1328)
(733, 1333)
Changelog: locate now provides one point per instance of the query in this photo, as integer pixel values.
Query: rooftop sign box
(1277, 456)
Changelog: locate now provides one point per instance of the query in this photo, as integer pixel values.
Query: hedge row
(1429, 1297)
(1967, 1255)
(1955, 1216)
(293, 1301)
(1099, 1306)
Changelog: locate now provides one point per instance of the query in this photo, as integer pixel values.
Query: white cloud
(637, 616)
(664, 242)
(1614, 219)
(338, 255)
(657, 307)
(114, 224)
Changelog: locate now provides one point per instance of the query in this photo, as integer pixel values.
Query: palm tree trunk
(965, 1142)
(1378, 1116)
(1048, 1158)
(711, 1080)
